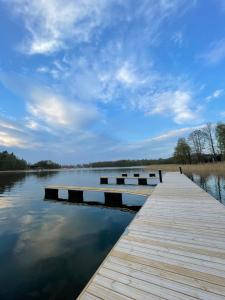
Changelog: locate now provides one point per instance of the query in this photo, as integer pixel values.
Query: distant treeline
(127, 163)
(8, 161)
(206, 144)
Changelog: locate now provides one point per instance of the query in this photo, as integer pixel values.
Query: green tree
(8, 161)
(220, 136)
(182, 152)
(46, 164)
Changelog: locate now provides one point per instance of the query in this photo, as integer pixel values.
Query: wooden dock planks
(173, 249)
(134, 191)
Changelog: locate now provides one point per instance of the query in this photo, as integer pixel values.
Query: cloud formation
(12, 134)
(216, 94)
(56, 111)
(177, 103)
(88, 66)
(51, 24)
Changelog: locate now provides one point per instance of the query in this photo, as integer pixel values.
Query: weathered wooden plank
(200, 284)
(170, 284)
(104, 293)
(87, 296)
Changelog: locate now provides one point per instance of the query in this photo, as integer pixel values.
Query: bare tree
(209, 134)
(197, 142)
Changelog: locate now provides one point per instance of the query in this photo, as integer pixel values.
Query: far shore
(36, 171)
(205, 169)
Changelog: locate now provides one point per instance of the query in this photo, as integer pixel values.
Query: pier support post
(160, 176)
(120, 181)
(113, 199)
(75, 196)
(181, 172)
(151, 174)
(104, 180)
(136, 174)
(51, 194)
(142, 181)
(124, 174)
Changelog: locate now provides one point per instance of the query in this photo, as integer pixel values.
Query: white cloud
(12, 134)
(52, 23)
(56, 111)
(175, 133)
(216, 53)
(48, 108)
(53, 72)
(216, 94)
(9, 125)
(140, 86)
(10, 140)
(176, 104)
(126, 75)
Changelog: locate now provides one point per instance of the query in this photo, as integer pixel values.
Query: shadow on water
(213, 184)
(121, 207)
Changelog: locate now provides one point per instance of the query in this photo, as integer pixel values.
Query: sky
(95, 80)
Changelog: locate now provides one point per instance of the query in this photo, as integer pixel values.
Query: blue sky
(87, 80)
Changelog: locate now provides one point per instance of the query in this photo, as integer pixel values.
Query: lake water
(50, 249)
(213, 184)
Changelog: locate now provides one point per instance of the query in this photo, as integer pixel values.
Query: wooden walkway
(135, 191)
(173, 249)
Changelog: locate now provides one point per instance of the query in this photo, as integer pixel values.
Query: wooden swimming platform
(130, 177)
(123, 180)
(136, 191)
(173, 249)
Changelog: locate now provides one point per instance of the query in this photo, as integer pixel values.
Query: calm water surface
(49, 249)
(213, 184)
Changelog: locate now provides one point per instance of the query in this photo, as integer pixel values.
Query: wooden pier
(173, 249)
(136, 191)
(138, 175)
(123, 180)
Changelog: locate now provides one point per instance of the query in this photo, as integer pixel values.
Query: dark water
(213, 184)
(49, 249)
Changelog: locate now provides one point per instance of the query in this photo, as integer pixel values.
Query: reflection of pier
(111, 205)
(76, 193)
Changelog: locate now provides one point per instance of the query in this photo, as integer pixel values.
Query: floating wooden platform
(136, 191)
(130, 177)
(123, 180)
(173, 249)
